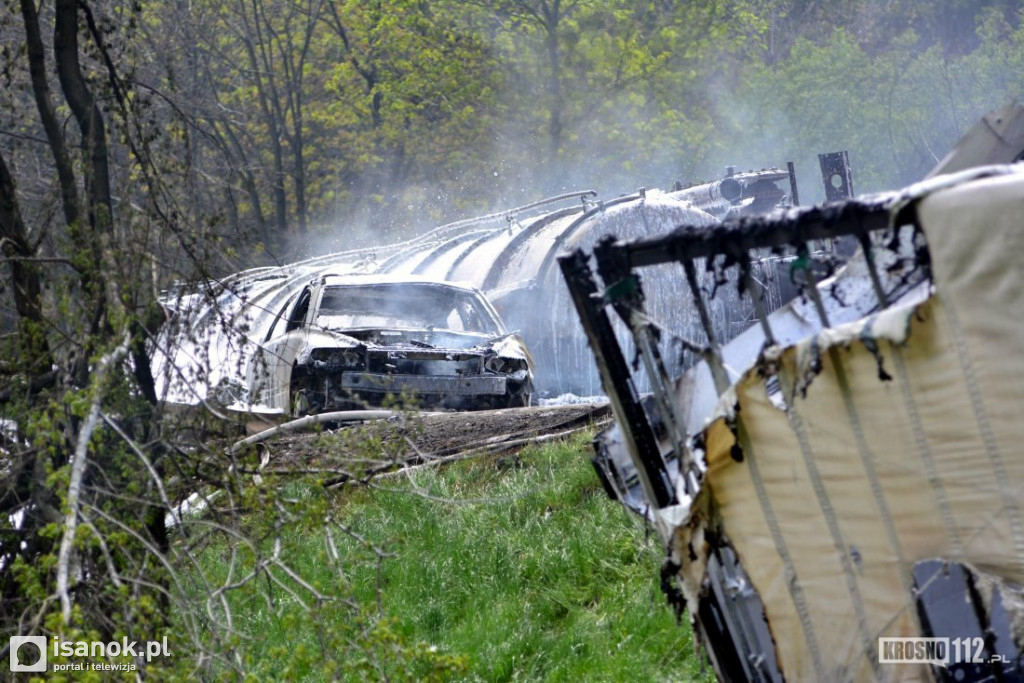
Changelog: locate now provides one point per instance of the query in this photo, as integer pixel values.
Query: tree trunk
(24, 276)
(94, 138)
(552, 18)
(54, 135)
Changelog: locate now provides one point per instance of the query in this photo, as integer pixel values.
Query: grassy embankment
(499, 569)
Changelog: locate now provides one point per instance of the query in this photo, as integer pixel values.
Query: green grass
(515, 568)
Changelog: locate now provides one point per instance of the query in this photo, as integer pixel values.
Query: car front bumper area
(474, 385)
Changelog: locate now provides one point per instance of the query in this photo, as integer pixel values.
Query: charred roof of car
(341, 279)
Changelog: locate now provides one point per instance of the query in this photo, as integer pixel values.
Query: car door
(272, 365)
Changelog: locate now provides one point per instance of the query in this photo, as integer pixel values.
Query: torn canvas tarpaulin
(853, 474)
(885, 472)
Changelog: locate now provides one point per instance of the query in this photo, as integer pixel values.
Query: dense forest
(144, 144)
(288, 128)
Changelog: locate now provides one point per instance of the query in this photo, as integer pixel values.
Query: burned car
(345, 342)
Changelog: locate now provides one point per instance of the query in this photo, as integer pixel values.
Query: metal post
(836, 175)
(617, 381)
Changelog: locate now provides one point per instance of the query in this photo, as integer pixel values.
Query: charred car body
(344, 342)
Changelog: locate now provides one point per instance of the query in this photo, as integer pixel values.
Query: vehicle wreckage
(826, 472)
(511, 256)
(849, 469)
(346, 342)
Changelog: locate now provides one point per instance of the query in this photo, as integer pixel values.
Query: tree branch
(78, 464)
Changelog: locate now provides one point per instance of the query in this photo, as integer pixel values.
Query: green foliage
(396, 115)
(508, 568)
(897, 106)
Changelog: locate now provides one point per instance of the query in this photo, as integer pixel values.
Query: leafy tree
(327, 110)
(605, 94)
(897, 102)
(411, 109)
(76, 357)
(96, 236)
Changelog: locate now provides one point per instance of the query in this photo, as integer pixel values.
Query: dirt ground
(441, 435)
(451, 432)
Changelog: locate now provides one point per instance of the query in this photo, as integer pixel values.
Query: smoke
(898, 105)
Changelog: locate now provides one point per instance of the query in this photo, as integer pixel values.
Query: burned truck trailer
(515, 264)
(846, 473)
(509, 255)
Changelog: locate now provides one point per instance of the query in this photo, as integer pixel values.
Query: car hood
(400, 337)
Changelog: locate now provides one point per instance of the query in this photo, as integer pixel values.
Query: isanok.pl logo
(20, 653)
(22, 650)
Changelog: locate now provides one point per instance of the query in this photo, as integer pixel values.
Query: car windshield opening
(403, 306)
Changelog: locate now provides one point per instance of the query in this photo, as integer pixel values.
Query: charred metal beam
(804, 255)
(756, 293)
(624, 291)
(714, 355)
(869, 258)
(794, 195)
(736, 237)
(616, 379)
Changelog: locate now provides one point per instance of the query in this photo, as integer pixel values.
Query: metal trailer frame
(663, 466)
(730, 617)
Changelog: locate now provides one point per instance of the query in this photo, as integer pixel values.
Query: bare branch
(78, 464)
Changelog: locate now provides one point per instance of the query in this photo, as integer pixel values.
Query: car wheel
(514, 401)
(522, 398)
(301, 404)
